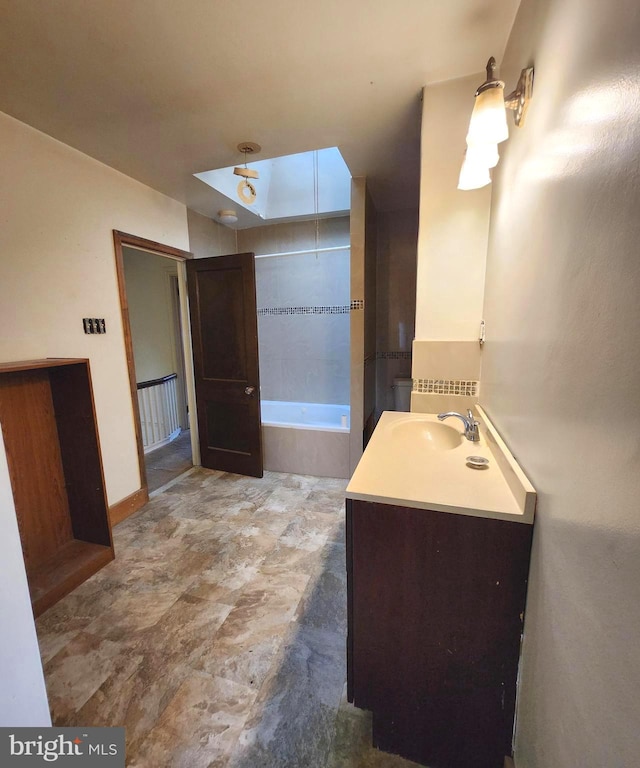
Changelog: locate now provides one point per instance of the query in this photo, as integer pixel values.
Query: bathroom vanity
(437, 564)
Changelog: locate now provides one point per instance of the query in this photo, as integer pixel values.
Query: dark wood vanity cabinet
(48, 423)
(435, 611)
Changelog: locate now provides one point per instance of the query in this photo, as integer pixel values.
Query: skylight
(302, 185)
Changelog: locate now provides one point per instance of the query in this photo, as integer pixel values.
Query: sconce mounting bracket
(519, 100)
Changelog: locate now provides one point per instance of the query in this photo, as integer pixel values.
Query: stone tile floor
(217, 636)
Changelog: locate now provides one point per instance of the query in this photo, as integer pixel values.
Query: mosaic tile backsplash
(446, 387)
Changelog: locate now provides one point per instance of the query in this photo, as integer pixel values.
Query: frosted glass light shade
(227, 216)
(489, 118)
(484, 155)
(473, 176)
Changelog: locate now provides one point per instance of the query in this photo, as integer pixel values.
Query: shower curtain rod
(300, 253)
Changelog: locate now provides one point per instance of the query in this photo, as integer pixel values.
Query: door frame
(177, 345)
(123, 239)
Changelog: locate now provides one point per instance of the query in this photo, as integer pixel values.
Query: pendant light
(246, 190)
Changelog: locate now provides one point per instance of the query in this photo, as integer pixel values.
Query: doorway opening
(153, 296)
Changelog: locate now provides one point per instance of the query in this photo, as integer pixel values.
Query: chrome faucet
(470, 424)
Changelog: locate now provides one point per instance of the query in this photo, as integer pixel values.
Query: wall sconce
(488, 126)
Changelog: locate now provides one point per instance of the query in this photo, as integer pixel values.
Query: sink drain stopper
(477, 462)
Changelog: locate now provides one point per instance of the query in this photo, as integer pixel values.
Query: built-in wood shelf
(47, 415)
(72, 564)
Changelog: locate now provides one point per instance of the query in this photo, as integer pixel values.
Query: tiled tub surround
(304, 351)
(304, 301)
(306, 438)
(304, 307)
(217, 635)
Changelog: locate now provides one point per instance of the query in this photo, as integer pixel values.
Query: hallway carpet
(217, 636)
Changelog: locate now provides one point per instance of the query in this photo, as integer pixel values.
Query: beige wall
(208, 238)
(561, 373)
(150, 313)
(56, 244)
(452, 253)
(452, 238)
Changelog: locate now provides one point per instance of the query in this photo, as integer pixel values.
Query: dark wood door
(224, 331)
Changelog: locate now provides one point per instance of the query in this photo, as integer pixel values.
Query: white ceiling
(163, 89)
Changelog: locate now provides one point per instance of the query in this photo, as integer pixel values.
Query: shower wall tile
(336, 276)
(316, 381)
(297, 385)
(269, 337)
(302, 336)
(304, 357)
(270, 377)
(324, 454)
(334, 231)
(267, 283)
(307, 279)
(258, 240)
(294, 236)
(334, 344)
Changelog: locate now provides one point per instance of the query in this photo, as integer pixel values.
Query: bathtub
(276, 413)
(306, 438)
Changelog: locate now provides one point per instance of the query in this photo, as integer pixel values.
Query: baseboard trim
(508, 763)
(127, 506)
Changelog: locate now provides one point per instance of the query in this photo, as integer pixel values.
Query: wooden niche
(48, 423)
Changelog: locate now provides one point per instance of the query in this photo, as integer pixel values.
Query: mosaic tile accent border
(342, 309)
(393, 355)
(446, 387)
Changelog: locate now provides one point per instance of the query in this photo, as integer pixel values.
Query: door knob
(249, 390)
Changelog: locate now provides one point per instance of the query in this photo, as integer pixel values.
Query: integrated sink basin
(426, 433)
(413, 460)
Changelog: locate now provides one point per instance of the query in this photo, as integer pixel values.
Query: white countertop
(402, 465)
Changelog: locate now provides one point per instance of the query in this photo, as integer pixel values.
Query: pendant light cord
(315, 198)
